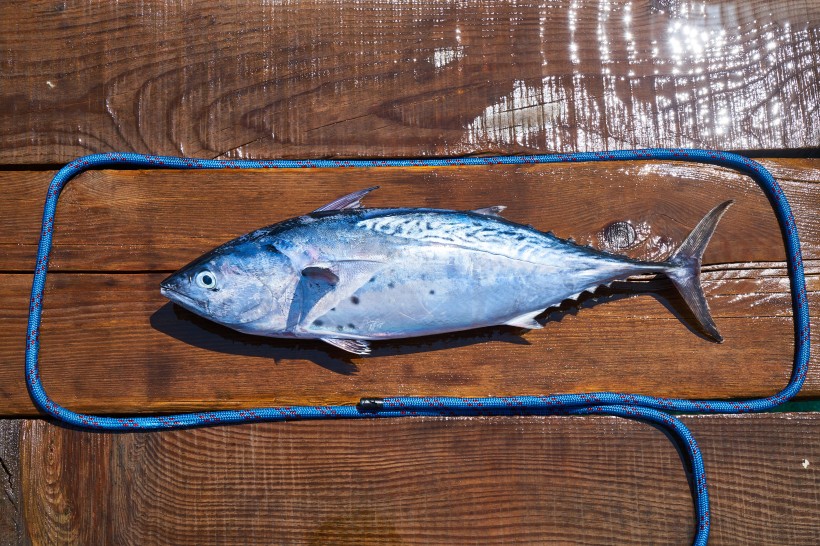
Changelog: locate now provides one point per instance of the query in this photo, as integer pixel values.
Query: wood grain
(12, 526)
(111, 343)
(318, 78)
(491, 480)
(159, 220)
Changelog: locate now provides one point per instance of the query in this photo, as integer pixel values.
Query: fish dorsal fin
(526, 320)
(355, 346)
(495, 210)
(349, 201)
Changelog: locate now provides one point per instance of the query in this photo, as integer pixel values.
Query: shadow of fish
(347, 275)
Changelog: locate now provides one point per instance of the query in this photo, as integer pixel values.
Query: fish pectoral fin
(526, 321)
(349, 201)
(355, 346)
(317, 281)
(320, 295)
(495, 210)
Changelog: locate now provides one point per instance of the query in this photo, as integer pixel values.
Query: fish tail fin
(683, 268)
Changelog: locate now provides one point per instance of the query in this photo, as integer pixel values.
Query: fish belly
(435, 289)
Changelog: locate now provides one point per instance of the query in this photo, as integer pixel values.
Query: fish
(349, 275)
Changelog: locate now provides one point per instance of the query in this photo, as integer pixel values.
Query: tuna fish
(347, 275)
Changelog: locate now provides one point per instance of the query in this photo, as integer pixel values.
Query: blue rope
(640, 407)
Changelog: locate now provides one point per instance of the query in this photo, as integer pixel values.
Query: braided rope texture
(640, 407)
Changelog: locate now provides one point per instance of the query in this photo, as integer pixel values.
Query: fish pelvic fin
(683, 269)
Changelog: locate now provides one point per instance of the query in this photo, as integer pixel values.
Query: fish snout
(169, 284)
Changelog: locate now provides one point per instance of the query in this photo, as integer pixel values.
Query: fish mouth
(179, 298)
(166, 284)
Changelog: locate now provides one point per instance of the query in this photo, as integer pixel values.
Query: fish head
(246, 286)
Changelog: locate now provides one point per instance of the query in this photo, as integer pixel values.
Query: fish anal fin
(349, 201)
(526, 320)
(495, 210)
(355, 346)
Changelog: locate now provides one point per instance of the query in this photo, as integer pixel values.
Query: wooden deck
(386, 79)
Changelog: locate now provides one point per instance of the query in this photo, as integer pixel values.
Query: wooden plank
(111, 344)
(12, 526)
(159, 220)
(490, 480)
(316, 78)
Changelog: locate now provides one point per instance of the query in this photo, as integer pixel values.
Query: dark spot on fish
(332, 308)
(352, 326)
(372, 279)
(432, 292)
(317, 322)
(340, 327)
(391, 285)
(521, 237)
(354, 300)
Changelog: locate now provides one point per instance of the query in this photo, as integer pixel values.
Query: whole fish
(347, 275)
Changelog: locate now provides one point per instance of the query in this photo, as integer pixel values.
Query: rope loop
(633, 406)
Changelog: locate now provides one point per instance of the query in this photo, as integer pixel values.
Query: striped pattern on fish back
(465, 230)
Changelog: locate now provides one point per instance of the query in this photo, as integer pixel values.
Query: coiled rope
(644, 408)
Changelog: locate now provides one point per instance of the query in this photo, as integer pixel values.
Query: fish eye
(206, 279)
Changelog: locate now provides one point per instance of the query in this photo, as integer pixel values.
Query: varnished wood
(377, 79)
(421, 481)
(316, 78)
(111, 343)
(159, 220)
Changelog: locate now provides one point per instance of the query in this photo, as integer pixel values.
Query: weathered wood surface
(333, 78)
(341, 78)
(111, 343)
(490, 480)
(12, 525)
(158, 220)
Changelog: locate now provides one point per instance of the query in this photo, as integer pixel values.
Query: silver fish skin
(348, 275)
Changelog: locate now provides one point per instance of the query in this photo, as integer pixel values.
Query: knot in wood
(619, 235)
